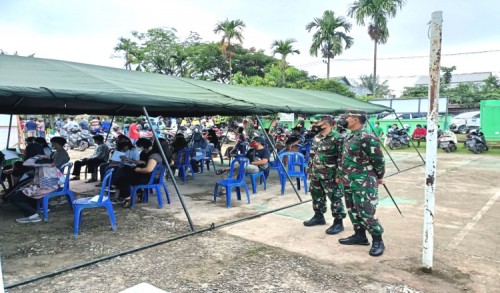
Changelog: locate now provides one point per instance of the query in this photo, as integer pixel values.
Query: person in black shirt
(258, 156)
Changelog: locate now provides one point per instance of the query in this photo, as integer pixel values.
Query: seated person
(25, 198)
(125, 162)
(99, 156)
(140, 175)
(258, 156)
(179, 143)
(419, 134)
(294, 140)
(46, 148)
(199, 145)
(14, 172)
(239, 147)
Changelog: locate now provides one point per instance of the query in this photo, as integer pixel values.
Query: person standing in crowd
(40, 128)
(322, 170)
(362, 169)
(31, 127)
(84, 125)
(95, 124)
(59, 124)
(105, 124)
(134, 131)
(100, 156)
(379, 132)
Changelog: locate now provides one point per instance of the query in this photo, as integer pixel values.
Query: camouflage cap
(358, 113)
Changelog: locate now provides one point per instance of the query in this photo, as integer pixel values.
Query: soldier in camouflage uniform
(322, 170)
(361, 170)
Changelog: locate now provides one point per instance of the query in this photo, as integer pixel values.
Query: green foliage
(284, 48)
(377, 13)
(415, 91)
(380, 90)
(447, 75)
(331, 85)
(330, 36)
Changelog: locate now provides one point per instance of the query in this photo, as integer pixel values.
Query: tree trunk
(328, 68)
(375, 62)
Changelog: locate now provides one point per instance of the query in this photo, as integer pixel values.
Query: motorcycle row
(447, 140)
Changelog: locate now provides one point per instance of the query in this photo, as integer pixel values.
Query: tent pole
(110, 127)
(277, 158)
(8, 135)
(373, 130)
(164, 157)
(411, 141)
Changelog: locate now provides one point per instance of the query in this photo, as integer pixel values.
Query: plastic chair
(242, 149)
(254, 177)
(101, 200)
(43, 203)
(153, 184)
(184, 161)
(295, 159)
(275, 165)
(305, 149)
(231, 183)
(208, 159)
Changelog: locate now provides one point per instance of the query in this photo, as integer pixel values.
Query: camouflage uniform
(322, 169)
(361, 165)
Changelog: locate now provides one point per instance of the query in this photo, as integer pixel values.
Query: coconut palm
(230, 29)
(129, 48)
(330, 37)
(377, 12)
(284, 48)
(380, 90)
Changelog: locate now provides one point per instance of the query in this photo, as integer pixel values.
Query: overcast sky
(86, 31)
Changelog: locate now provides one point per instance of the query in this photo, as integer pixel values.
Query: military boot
(336, 228)
(377, 246)
(318, 219)
(358, 238)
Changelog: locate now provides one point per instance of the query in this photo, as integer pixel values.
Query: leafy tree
(230, 29)
(251, 62)
(415, 91)
(207, 62)
(331, 85)
(380, 90)
(330, 37)
(447, 75)
(284, 48)
(131, 52)
(377, 12)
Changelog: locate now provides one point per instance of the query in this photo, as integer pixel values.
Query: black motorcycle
(398, 138)
(476, 142)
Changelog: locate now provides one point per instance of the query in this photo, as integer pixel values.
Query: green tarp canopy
(42, 86)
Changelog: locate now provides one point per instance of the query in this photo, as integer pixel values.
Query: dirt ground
(275, 252)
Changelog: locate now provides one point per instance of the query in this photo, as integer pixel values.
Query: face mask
(140, 149)
(343, 123)
(317, 128)
(253, 144)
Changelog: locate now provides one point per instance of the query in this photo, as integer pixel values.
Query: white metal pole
(431, 146)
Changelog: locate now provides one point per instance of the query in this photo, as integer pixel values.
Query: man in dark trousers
(361, 170)
(99, 156)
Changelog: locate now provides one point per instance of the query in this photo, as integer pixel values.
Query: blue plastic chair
(295, 160)
(231, 183)
(43, 203)
(184, 161)
(275, 165)
(305, 149)
(153, 184)
(208, 159)
(101, 200)
(254, 177)
(242, 149)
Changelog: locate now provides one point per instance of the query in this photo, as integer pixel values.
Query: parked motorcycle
(476, 142)
(398, 138)
(448, 141)
(84, 141)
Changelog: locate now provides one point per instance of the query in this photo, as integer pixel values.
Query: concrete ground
(466, 250)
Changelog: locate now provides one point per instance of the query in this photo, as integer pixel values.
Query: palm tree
(330, 36)
(377, 12)
(284, 48)
(380, 90)
(231, 29)
(131, 52)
